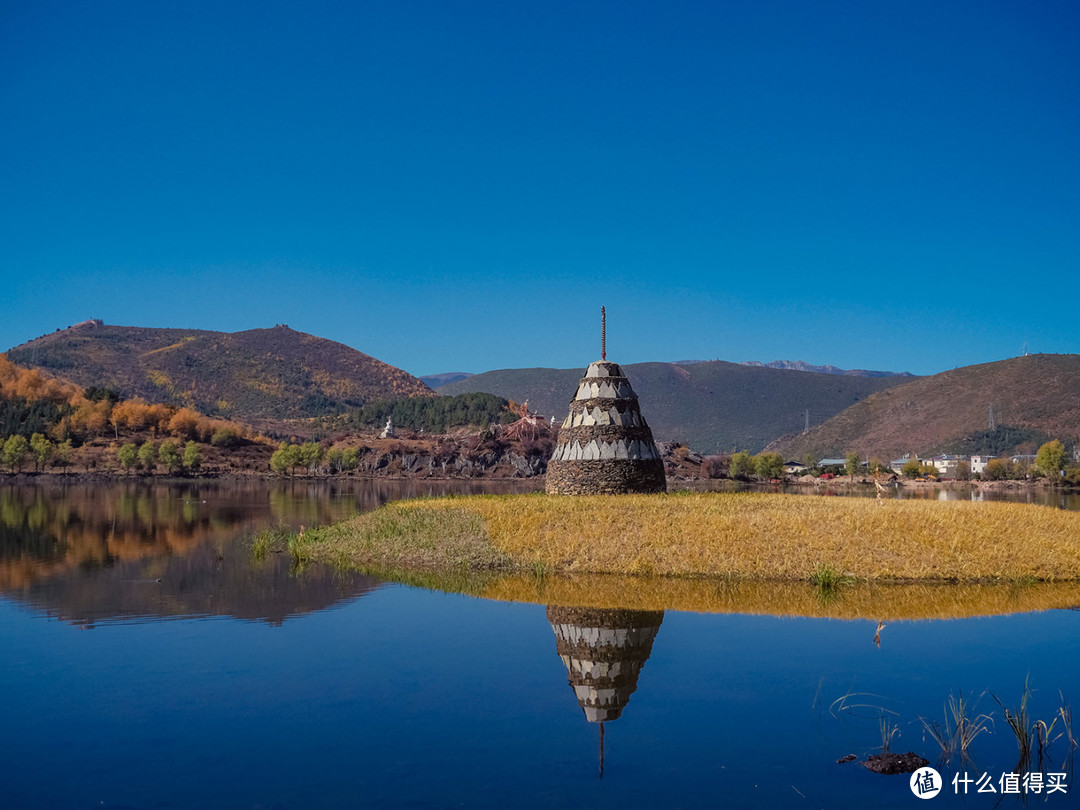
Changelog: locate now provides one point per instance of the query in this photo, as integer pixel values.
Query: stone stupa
(605, 446)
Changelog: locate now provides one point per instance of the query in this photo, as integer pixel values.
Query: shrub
(225, 437)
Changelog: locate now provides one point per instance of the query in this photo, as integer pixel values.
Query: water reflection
(91, 553)
(604, 652)
(1012, 492)
(46, 530)
(132, 550)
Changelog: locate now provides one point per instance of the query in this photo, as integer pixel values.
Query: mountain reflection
(128, 551)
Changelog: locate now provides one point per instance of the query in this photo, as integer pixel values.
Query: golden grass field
(723, 551)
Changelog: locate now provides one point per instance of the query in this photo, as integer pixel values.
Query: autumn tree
(169, 455)
(1050, 460)
(192, 457)
(132, 414)
(62, 453)
(309, 454)
(42, 449)
(184, 423)
(285, 458)
(741, 465)
(342, 459)
(90, 418)
(128, 456)
(158, 417)
(769, 465)
(148, 455)
(14, 452)
(852, 465)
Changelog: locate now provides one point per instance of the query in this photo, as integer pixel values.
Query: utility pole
(991, 423)
(806, 426)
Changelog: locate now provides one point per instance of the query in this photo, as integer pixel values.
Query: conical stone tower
(605, 445)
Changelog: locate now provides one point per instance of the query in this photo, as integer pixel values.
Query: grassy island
(736, 536)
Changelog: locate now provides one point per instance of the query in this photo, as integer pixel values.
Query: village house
(947, 466)
(897, 464)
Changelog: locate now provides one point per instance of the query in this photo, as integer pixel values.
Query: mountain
(1034, 396)
(799, 365)
(447, 377)
(713, 406)
(273, 373)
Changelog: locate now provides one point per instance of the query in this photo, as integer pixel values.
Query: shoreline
(676, 483)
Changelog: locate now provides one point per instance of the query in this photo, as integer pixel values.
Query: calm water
(148, 662)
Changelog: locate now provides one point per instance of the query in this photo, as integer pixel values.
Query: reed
(1019, 722)
(889, 729)
(1065, 713)
(961, 726)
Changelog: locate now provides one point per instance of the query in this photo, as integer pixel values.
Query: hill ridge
(275, 372)
(714, 406)
(929, 415)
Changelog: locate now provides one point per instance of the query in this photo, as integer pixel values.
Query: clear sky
(459, 186)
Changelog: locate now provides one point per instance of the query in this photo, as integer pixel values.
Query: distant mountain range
(799, 365)
(1036, 396)
(438, 380)
(275, 373)
(713, 406)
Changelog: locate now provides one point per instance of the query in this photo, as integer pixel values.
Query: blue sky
(460, 185)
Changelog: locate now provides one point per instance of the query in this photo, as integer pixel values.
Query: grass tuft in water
(1019, 722)
(1065, 713)
(961, 726)
(828, 577)
(889, 729)
(270, 540)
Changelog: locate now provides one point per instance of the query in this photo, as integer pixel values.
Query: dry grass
(399, 537)
(753, 535)
(737, 553)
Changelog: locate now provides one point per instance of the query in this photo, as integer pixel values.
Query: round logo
(925, 783)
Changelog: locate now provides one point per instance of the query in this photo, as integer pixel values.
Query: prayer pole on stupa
(605, 446)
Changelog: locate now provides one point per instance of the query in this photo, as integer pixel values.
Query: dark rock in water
(848, 758)
(895, 763)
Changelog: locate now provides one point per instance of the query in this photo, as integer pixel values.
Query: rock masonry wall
(604, 445)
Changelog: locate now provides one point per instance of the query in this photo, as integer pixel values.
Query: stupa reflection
(604, 652)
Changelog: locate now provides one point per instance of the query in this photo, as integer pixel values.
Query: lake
(150, 662)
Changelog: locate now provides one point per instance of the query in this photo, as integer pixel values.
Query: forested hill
(261, 373)
(713, 406)
(1033, 398)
